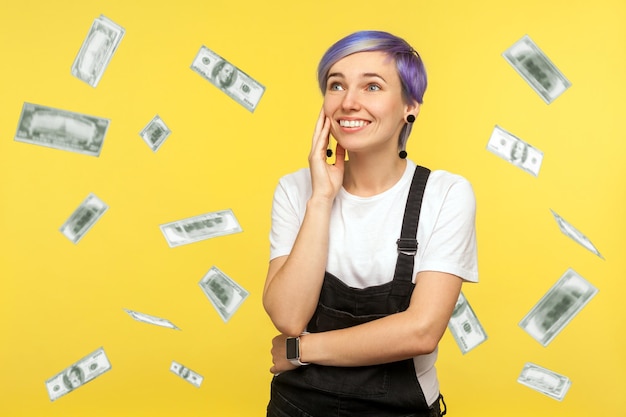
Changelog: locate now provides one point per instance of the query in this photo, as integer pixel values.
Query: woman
(359, 310)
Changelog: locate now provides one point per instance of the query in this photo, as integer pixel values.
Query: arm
(399, 336)
(294, 281)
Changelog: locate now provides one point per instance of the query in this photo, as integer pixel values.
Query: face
(518, 151)
(363, 99)
(225, 73)
(74, 378)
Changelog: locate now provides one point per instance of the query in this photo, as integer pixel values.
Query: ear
(412, 108)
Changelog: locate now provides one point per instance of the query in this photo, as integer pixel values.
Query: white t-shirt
(364, 230)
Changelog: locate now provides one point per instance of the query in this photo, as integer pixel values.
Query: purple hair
(408, 63)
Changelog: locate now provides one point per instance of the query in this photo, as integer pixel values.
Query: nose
(350, 100)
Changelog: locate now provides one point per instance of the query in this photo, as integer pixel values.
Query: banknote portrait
(519, 152)
(224, 74)
(74, 378)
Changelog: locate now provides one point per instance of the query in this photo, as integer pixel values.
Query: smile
(352, 123)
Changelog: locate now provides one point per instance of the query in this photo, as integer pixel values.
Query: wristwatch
(293, 351)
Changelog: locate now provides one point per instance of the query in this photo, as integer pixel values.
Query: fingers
(321, 136)
(340, 153)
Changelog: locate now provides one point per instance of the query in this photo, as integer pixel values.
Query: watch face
(292, 348)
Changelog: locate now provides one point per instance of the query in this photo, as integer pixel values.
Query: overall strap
(407, 244)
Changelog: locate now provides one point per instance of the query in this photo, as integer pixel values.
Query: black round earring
(410, 118)
(402, 154)
(329, 152)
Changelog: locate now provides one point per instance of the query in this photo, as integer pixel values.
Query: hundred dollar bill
(575, 234)
(155, 133)
(224, 293)
(94, 55)
(61, 129)
(544, 381)
(465, 327)
(83, 218)
(200, 227)
(514, 150)
(228, 78)
(558, 307)
(78, 374)
(535, 67)
(186, 374)
(146, 318)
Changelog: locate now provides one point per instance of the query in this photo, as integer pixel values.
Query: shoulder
(295, 185)
(443, 183)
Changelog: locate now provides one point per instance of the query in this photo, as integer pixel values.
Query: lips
(353, 123)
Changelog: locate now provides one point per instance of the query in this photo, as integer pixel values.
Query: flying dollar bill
(94, 55)
(558, 307)
(155, 133)
(78, 374)
(83, 218)
(465, 327)
(544, 381)
(186, 374)
(228, 78)
(61, 129)
(535, 67)
(147, 318)
(575, 234)
(224, 293)
(200, 227)
(514, 150)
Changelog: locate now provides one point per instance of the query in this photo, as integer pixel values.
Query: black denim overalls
(387, 390)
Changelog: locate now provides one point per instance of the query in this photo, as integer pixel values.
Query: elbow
(285, 322)
(424, 341)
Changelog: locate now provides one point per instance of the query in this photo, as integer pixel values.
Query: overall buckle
(407, 246)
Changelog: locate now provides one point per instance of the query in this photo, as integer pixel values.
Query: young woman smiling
(368, 254)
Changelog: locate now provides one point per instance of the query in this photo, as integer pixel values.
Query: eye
(373, 87)
(335, 86)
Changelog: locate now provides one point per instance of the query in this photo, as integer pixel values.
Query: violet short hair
(408, 62)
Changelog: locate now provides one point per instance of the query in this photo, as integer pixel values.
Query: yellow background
(61, 301)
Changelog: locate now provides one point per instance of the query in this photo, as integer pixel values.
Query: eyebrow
(365, 74)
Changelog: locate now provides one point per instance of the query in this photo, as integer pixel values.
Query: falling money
(535, 67)
(224, 293)
(83, 218)
(61, 129)
(544, 381)
(200, 227)
(78, 374)
(94, 55)
(228, 78)
(465, 327)
(558, 307)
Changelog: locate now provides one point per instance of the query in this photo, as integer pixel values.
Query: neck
(370, 174)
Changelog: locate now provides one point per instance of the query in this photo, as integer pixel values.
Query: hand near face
(326, 179)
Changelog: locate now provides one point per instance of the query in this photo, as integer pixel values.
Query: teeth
(352, 123)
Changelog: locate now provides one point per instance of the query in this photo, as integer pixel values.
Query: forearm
(392, 338)
(292, 290)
